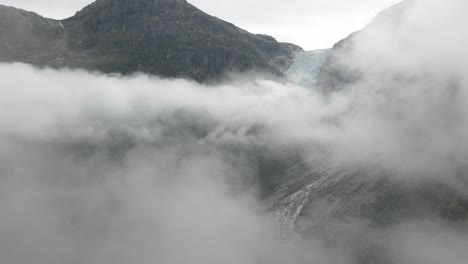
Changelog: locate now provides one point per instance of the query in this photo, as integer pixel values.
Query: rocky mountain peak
(119, 8)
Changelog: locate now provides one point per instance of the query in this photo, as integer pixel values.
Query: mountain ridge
(169, 38)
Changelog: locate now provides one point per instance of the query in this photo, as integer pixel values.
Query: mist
(99, 168)
(110, 169)
(412, 65)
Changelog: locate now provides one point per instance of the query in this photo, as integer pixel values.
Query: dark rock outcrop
(170, 38)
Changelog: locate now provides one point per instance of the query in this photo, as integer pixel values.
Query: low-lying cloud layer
(99, 169)
(107, 169)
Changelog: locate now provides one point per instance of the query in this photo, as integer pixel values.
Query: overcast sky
(312, 24)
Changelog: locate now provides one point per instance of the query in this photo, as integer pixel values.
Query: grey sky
(313, 24)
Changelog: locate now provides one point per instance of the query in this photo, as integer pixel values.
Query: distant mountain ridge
(170, 38)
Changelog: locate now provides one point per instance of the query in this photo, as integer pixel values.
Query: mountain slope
(28, 37)
(170, 38)
(340, 68)
(406, 73)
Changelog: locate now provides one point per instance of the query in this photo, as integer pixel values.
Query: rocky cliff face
(170, 38)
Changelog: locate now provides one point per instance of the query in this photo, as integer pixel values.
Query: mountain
(389, 57)
(340, 68)
(170, 38)
(408, 69)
